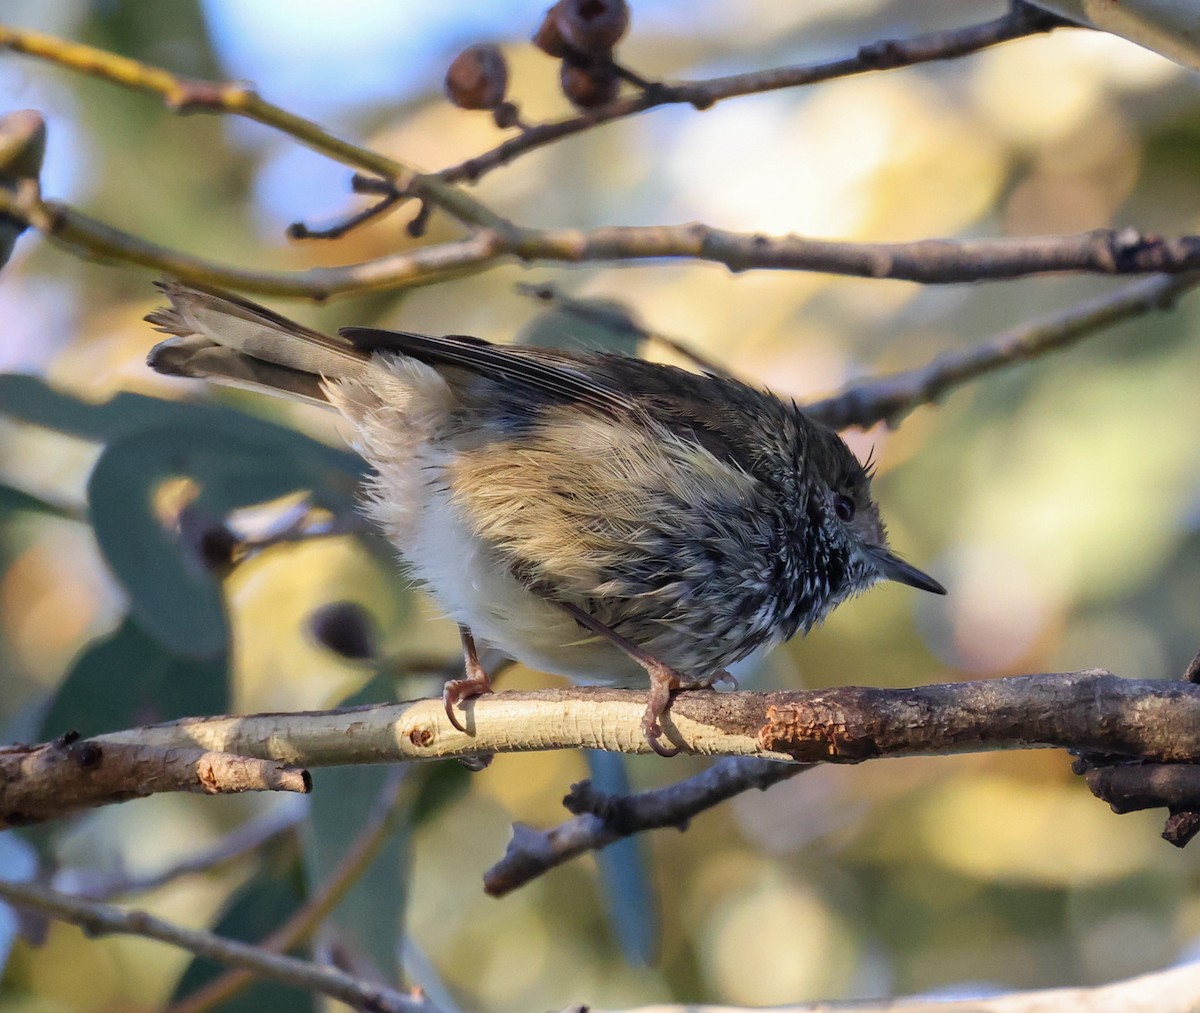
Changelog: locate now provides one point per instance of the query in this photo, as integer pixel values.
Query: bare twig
(495, 238)
(300, 927)
(186, 96)
(887, 54)
(1090, 711)
(300, 230)
(931, 261)
(102, 919)
(890, 398)
(236, 99)
(239, 843)
(68, 775)
(601, 820)
(84, 236)
(1129, 787)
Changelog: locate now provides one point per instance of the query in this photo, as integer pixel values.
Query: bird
(589, 514)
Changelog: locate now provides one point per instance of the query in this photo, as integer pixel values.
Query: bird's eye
(843, 506)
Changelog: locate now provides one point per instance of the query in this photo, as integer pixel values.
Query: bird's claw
(456, 691)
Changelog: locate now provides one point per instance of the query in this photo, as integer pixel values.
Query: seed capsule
(588, 27)
(588, 87)
(478, 78)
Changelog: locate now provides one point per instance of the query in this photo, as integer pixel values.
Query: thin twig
(1020, 21)
(102, 919)
(930, 261)
(601, 820)
(186, 96)
(240, 842)
(299, 928)
(300, 230)
(84, 236)
(890, 398)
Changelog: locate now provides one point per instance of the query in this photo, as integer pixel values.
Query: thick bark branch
(1091, 711)
(68, 775)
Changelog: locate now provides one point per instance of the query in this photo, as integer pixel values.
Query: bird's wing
(556, 373)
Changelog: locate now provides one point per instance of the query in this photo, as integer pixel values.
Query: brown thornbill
(588, 514)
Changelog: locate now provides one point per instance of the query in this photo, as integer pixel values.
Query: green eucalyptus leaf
(235, 461)
(255, 911)
(176, 598)
(127, 679)
(32, 400)
(370, 918)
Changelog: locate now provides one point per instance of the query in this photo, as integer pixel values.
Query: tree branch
(241, 842)
(890, 398)
(887, 54)
(930, 261)
(604, 819)
(68, 775)
(187, 96)
(86, 237)
(102, 919)
(1091, 711)
(300, 927)
(927, 261)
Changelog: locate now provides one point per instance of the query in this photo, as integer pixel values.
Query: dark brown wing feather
(731, 420)
(555, 373)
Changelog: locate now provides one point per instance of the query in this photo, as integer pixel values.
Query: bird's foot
(663, 681)
(457, 690)
(476, 683)
(721, 676)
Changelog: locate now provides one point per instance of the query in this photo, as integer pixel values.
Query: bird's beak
(892, 567)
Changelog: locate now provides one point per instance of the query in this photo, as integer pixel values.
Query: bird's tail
(239, 343)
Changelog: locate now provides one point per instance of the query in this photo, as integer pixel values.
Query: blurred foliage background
(1059, 502)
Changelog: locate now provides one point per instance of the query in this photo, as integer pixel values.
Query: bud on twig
(583, 27)
(478, 78)
(589, 86)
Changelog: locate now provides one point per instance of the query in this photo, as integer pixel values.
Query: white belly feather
(397, 414)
